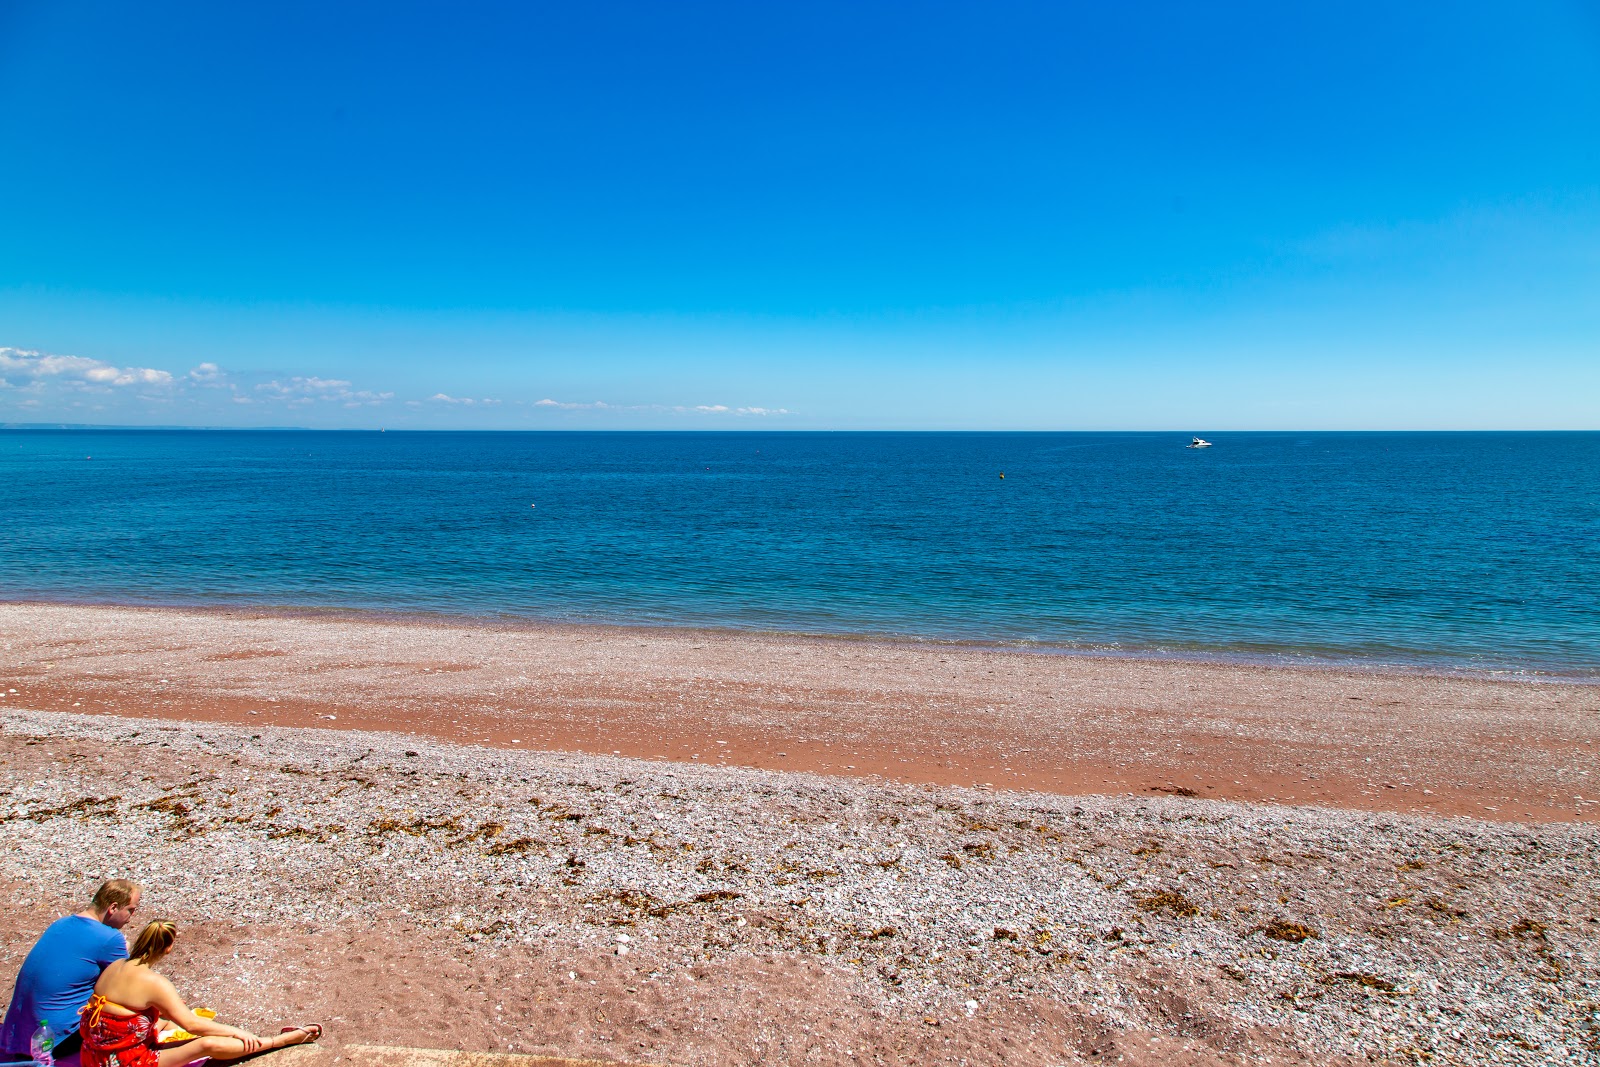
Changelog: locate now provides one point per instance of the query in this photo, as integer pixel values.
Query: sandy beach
(909, 712)
(714, 848)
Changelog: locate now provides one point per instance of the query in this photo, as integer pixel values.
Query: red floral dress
(118, 1040)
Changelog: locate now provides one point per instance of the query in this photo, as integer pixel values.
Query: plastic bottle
(43, 1044)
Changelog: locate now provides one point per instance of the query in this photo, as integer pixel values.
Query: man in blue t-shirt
(59, 974)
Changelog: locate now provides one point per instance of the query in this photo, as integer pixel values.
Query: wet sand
(1512, 750)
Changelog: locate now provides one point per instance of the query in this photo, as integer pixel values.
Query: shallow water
(1476, 551)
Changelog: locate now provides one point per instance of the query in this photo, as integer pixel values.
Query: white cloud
(207, 374)
(446, 398)
(108, 375)
(22, 367)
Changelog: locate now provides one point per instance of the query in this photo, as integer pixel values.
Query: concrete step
(318, 1055)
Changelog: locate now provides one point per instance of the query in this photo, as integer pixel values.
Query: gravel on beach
(404, 890)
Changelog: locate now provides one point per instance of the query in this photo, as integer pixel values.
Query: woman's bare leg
(227, 1048)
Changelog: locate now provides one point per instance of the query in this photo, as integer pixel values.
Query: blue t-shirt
(58, 978)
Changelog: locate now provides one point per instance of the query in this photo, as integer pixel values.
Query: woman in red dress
(119, 1022)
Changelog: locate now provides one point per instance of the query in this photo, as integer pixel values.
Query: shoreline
(1492, 748)
(1420, 665)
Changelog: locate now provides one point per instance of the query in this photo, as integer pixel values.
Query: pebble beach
(402, 886)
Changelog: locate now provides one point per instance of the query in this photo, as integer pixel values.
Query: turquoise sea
(1457, 551)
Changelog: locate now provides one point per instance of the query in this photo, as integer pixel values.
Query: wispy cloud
(674, 409)
(570, 405)
(72, 385)
(301, 392)
(298, 386)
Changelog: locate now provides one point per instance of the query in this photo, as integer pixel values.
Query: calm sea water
(1468, 551)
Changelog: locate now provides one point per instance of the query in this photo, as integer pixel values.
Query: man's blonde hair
(115, 893)
(153, 942)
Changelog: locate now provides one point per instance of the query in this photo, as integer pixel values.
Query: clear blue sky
(987, 215)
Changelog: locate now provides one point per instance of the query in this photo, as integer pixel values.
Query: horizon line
(62, 427)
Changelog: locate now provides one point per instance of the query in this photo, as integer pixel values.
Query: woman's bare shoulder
(132, 985)
(155, 982)
(161, 993)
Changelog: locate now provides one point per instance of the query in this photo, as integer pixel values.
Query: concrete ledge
(392, 1056)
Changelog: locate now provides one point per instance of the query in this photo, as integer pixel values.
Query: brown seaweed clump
(1284, 930)
(1171, 902)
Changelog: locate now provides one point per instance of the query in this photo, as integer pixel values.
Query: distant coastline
(1177, 432)
(90, 427)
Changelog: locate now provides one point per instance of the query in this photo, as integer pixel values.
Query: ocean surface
(1455, 551)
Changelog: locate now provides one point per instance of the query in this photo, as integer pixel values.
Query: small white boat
(1198, 442)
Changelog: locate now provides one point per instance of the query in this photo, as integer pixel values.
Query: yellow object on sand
(180, 1034)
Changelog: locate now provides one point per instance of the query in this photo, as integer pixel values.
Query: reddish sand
(1390, 741)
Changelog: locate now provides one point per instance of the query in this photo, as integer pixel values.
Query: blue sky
(984, 216)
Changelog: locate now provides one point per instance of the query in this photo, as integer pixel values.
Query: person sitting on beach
(60, 971)
(119, 1022)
